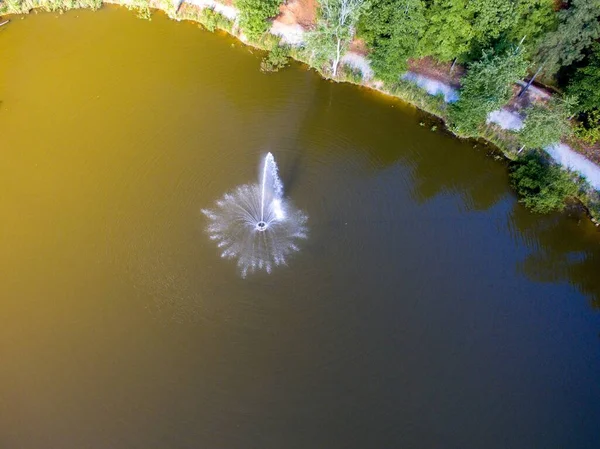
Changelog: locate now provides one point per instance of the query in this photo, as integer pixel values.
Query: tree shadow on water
(478, 179)
(564, 248)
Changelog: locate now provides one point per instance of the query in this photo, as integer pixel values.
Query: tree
(492, 18)
(542, 186)
(449, 31)
(534, 18)
(486, 88)
(335, 27)
(392, 29)
(493, 23)
(544, 125)
(586, 83)
(254, 15)
(577, 29)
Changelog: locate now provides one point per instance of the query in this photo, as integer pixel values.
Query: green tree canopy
(534, 18)
(491, 19)
(462, 28)
(449, 31)
(585, 84)
(486, 88)
(392, 29)
(577, 29)
(336, 23)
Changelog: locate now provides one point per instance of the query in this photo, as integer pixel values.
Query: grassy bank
(543, 188)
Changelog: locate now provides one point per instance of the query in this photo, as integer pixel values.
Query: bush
(254, 16)
(585, 82)
(589, 128)
(142, 7)
(542, 185)
(544, 125)
(351, 74)
(275, 60)
(486, 88)
(209, 18)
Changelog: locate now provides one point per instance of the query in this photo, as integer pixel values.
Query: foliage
(24, 6)
(588, 129)
(10, 7)
(533, 19)
(142, 7)
(392, 29)
(449, 31)
(212, 20)
(168, 6)
(91, 4)
(586, 83)
(334, 30)
(208, 17)
(254, 16)
(544, 125)
(496, 21)
(492, 18)
(275, 60)
(463, 28)
(541, 185)
(577, 29)
(351, 74)
(486, 88)
(411, 93)
(320, 45)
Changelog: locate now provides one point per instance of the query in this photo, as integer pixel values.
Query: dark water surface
(427, 309)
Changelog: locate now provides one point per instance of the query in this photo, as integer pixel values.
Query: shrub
(352, 74)
(486, 88)
(91, 4)
(544, 125)
(542, 186)
(142, 7)
(275, 60)
(254, 16)
(209, 18)
(589, 128)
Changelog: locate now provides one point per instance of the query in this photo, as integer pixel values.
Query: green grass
(207, 17)
(25, 6)
(413, 94)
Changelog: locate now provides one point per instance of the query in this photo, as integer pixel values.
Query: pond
(426, 309)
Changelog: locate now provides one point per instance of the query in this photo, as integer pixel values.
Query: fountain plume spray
(255, 224)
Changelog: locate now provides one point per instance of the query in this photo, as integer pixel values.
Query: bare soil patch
(301, 12)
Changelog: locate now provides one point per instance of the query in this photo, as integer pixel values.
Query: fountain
(255, 224)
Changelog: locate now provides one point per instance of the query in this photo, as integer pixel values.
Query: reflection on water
(427, 309)
(555, 258)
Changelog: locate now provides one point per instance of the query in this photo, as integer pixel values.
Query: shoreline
(420, 91)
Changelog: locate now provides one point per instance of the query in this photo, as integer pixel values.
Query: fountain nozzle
(261, 226)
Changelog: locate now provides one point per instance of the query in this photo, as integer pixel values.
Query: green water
(427, 309)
